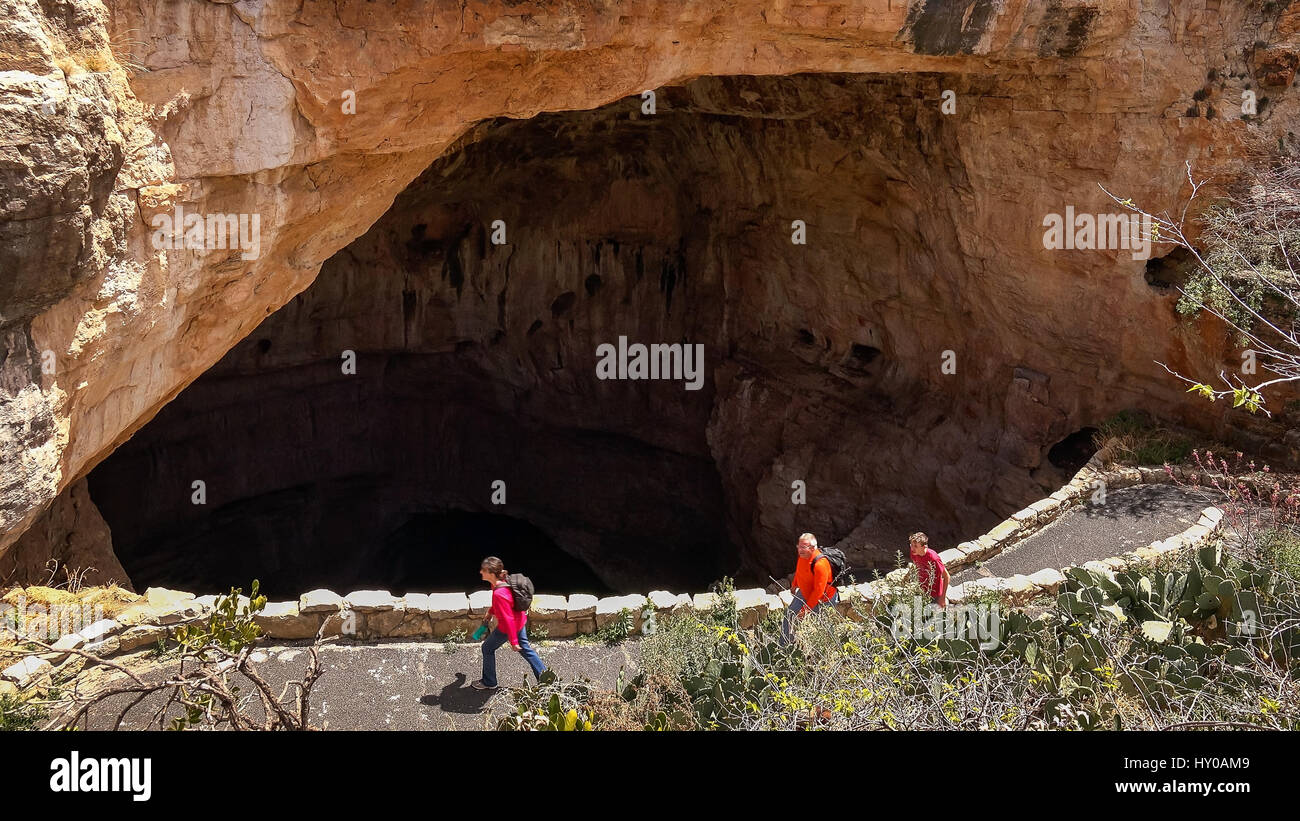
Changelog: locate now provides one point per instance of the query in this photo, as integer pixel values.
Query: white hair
(809, 538)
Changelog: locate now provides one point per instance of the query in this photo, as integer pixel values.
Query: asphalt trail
(1131, 517)
(397, 686)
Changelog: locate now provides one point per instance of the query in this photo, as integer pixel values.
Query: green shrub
(615, 632)
(549, 705)
(453, 640)
(17, 714)
(1132, 438)
(229, 627)
(1250, 244)
(724, 611)
(771, 622)
(1201, 289)
(1279, 550)
(1143, 648)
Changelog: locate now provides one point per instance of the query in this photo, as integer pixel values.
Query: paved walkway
(400, 686)
(1132, 517)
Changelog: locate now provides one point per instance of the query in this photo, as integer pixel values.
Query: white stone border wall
(1020, 588)
(376, 614)
(1025, 523)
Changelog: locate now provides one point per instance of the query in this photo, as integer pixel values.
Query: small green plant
(230, 627)
(17, 714)
(453, 640)
(1279, 550)
(161, 649)
(550, 705)
(537, 633)
(1132, 438)
(229, 630)
(981, 596)
(771, 623)
(725, 611)
(614, 632)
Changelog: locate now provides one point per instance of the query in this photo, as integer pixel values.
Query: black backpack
(839, 562)
(521, 588)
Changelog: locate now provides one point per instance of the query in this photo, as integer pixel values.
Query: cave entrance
(1073, 452)
(380, 478)
(442, 551)
(455, 349)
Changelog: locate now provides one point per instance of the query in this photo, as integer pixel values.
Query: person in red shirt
(510, 626)
(930, 569)
(812, 586)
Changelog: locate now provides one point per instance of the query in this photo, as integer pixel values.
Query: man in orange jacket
(812, 584)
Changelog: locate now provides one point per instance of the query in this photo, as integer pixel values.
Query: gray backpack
(521, 588)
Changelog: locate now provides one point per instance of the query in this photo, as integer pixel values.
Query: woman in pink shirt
(510, 626)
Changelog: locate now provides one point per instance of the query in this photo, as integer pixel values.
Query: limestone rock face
(925, 228)
(478, 362)
(71, 532)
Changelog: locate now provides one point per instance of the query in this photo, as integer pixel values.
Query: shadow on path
(458, 697)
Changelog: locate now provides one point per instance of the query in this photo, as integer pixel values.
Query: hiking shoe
(479, 685)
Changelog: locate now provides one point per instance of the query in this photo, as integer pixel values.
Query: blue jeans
(792, 612)
(498, 638)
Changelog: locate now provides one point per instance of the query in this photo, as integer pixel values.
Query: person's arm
(502, 606)
(947, 579)
(821, 576)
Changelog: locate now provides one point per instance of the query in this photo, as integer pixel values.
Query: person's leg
(530, 654)
(791, 613)
(831, 602)
(494, 640)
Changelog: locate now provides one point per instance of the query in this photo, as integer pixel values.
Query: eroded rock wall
(825, 359)
(116, 113)
(69, 544)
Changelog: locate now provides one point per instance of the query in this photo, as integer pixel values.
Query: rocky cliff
(390, 129)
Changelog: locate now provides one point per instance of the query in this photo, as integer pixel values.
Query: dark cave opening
(442, 551)
(311, 479)
(1073, 452)
(474, 366)
(1165, 273)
